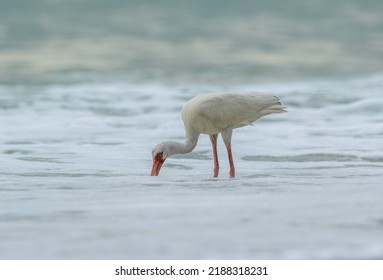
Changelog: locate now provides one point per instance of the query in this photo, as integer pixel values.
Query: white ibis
(212, 114)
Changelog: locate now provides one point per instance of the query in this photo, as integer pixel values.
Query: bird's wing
(236, 110)
(213, 112)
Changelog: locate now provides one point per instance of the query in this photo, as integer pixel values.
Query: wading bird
(212, 114)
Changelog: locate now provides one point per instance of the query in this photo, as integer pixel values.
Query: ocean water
(76, 159)
(87, 89)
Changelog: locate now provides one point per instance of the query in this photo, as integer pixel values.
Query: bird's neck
(183, 148)
(190, 143)
(191, 140)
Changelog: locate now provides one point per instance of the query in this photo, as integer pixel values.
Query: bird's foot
(232, 173)
(216, 171)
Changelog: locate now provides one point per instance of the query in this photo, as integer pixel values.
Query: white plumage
(212, 114)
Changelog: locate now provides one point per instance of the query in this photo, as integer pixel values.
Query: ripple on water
(314, 157)
(65, 175)
(40, 159)
(115, 112)
(17, 151)
(373, 159)
(19, 142)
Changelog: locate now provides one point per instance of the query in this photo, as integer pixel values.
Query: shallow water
(88, 88)
(75, 163)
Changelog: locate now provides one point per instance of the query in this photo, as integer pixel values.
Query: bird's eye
(159, 155)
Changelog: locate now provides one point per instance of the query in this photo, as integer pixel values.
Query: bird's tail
(275, 108)
(279, 108)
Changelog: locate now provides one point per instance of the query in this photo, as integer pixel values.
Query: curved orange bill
(157, 164)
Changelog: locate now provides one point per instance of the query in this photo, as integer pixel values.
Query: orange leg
(213, 139)
(231, 161)
(226, 135)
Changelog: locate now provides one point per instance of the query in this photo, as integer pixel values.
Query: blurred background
(89, 87)
(177, 41)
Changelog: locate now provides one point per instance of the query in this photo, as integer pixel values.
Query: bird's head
(159, 154)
